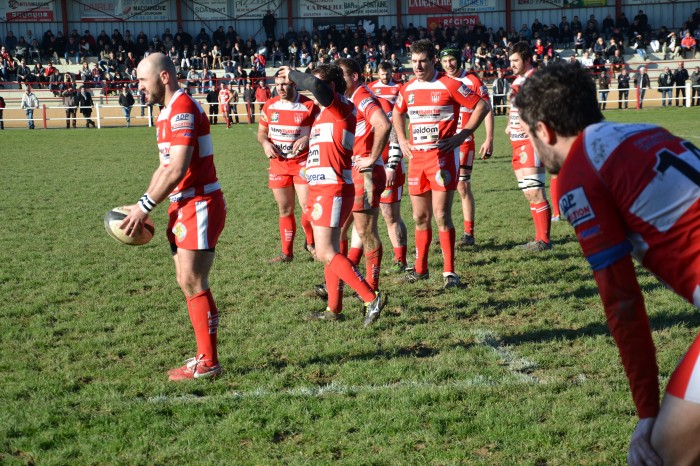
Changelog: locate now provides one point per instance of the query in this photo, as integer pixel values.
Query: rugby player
(371, 136)
(450, 59)
(386, 90)
(629, 190)
(283, 132)
(527, 165)
(331, 190)
(197, 212)
(431, 101)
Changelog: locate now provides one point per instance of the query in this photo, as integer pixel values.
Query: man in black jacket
(623, 88)
(665, 81)
(85, 105)
(126, 100)
(680, 77)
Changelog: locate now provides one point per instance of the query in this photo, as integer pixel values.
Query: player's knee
(191, 284)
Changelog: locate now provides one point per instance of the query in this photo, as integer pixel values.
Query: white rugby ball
(114, 218)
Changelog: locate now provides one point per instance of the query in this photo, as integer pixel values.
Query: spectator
(193, 80)
(202, 38)
(500, 90)
(213, 101)
(55, 83)
(269, 22)
(70, 104)
(672, 47)
(695, 89)
(72, 50)
(7, 64)
(639, 45)
(249, 99)
(623, 89)
(186, 60)
(680, 77)
(579, 43)
(216, 62)
(233, 103)
(665, 82)
(688, 45)
(241, 77)
(276, 54)
(126, 100)
(206, 81)
(262, 94)
(622, 23)
(642, 83)
(608, 25)
(22, 49)
(11, 41)
(617, 63)
(85, 105)
(30, 102)
(24, 74)
(604, 88)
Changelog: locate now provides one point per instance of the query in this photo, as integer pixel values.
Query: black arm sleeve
(322, 91)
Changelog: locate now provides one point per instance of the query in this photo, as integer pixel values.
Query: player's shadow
(491, 245)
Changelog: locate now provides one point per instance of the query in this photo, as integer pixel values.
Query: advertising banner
(454, 21)
(475, 6)
(211, 9)
(537, 4)
(427, 7)
(27, 10)
(325, 8)
(251, 9)
(125, 10)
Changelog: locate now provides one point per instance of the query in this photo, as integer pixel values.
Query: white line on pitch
(340, 389)
(519, 367)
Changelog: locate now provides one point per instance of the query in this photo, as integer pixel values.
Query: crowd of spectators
(204, 59)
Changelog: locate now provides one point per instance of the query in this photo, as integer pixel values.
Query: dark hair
(523, 49)
(386, 66)
(350, 64)
(424, 46)
(561, 95)
(331, 74)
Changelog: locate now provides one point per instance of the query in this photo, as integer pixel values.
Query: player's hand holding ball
(125, 227)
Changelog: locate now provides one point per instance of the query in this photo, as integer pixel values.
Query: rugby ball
(114, 218)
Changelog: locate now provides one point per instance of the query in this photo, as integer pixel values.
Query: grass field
(517, 368)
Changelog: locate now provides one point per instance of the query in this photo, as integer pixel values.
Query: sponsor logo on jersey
(590, 232)
(377, 90)
(464, 90)
(179, 231)
(387, 193)
(411, 99)
(575, 207)
(302, 172)
(298, 118)
(365, 103)
(435, 97)
(523, 157)
(312, 178)
(182, 121)
(317, 211)
(442, 177)
(275, 117)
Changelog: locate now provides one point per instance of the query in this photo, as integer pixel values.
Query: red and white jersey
(329, 164)
(287, 121)
(635, 189)
(385, 91)
(477, 86)
(224, 96)
(518, 136)
(365, 105)
(183, 122)
(431, 107)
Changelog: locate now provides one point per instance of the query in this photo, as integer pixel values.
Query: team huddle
(342, 155)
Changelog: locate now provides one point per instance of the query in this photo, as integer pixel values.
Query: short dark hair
(331, 74)
(523, 49)
(561, 95)
(424, 46)
(386, 66)
(350, 64)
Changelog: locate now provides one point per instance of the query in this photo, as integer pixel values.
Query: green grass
(518, 368)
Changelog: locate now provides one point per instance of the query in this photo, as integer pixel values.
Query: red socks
(355, 255)
(400, 254)
(469, 228)
(447, 243)
(335, 290)
(343, 268)
(205, 321)
(308, 229)
(374, 263)
(554, 194)
(542, 216)
(344, 247)
(288, 229)
(423, 239)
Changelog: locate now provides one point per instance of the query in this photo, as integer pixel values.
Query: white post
(688, 93)
(97, 109)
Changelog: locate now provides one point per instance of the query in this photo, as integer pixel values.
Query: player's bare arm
(162, 186)
(271, 151)
(399, 122)
(486, 149)
(382, 128)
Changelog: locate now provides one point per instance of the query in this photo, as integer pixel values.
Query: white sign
(324, 8)
(249, 9)
(211, 9)
(474, 6)
(125, 10)
(27, 10)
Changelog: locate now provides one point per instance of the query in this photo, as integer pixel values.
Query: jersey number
(673, 191)
(668, 159)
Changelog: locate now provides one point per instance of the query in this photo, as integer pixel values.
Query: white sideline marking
(339, 389)
(519, 367)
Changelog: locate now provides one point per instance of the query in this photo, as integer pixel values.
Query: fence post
(99, 122)
(688, 90)
(44, 112)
